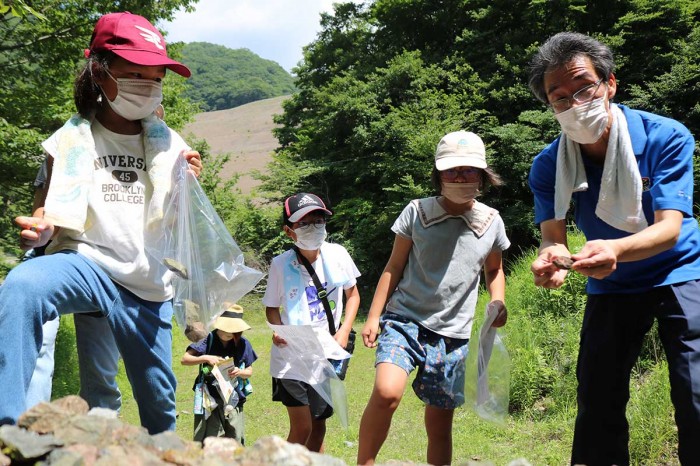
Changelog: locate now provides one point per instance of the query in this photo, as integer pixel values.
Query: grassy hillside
(225, 78)
(244, 132)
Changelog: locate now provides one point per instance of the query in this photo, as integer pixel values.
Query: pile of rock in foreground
(63, 433)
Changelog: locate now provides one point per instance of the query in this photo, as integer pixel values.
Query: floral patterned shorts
(440, 360)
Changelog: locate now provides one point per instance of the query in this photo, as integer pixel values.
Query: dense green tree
(676, 92)
(385, 80)
(18, 8)
(225, 78)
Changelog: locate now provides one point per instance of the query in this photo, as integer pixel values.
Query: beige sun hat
(231, 320)
(460, 149)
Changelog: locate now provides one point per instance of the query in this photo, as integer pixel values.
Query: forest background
(382, 82)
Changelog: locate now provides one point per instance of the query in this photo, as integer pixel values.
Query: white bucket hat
(460, 149)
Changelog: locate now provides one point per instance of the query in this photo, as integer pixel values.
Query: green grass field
(542, 338)
(543, 443)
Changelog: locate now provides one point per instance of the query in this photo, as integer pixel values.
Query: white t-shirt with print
(275, 297)
(274, 293)
(117, 204)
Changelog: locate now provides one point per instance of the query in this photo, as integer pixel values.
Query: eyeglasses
(583, 95)
(452, 174)
(318, 223)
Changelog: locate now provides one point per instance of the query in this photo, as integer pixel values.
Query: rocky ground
(66, 433)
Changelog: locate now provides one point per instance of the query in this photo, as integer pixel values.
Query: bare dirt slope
(245, 132)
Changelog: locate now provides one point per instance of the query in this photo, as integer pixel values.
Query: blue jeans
(40, 289)
(613, 330)
(98, 356)
(98, 360)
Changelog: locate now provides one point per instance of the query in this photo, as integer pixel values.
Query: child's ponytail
(86, 93)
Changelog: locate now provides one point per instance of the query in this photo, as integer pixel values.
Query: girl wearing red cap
(109, 175)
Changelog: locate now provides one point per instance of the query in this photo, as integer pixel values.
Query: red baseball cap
(135, 39)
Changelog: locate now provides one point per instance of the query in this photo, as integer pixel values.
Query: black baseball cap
(299, 205)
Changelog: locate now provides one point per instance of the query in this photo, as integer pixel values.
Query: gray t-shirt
(440, 284)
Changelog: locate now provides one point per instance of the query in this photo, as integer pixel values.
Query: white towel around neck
(620, 197)
(73, 168)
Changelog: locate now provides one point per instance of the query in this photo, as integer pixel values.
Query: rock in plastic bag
(207, 266)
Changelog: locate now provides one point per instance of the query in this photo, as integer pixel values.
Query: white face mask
(584, 123)
(136, 98)
(310, 238)
(461, 193)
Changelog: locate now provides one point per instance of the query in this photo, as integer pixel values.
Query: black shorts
(294, 393)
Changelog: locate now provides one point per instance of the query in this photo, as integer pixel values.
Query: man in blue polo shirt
(630, 176)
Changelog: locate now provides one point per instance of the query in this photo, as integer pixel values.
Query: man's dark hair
(559, 50)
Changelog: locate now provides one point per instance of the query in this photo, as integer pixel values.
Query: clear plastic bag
(208, 269)
(305, 357)
(487, 388)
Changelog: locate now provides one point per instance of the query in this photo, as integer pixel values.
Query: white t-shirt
(274, 293)
(118, 201)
